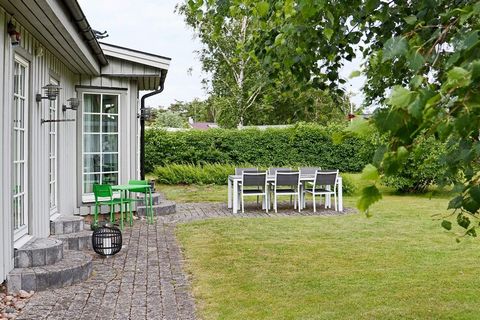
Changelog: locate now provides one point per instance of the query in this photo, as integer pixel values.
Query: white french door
(20, 147)
(53, 154)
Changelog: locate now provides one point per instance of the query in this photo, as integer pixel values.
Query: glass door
(20, 147)
(52, 153)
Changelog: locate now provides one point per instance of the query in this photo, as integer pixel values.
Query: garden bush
(213, 174)
(301, 145)
(422, 169)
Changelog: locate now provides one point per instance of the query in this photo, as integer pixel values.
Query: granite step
(75, 267)
(164, 208)
(76, 241)
(38, 252)
(156, 199)
(66, 225)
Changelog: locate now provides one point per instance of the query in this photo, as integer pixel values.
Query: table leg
(229, 191)
(235, 196)
(340, 194)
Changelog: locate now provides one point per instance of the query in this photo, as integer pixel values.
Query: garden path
(145, 280)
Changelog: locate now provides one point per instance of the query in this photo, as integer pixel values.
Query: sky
(153, 26)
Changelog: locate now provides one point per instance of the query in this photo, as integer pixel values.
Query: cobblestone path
(145, 280)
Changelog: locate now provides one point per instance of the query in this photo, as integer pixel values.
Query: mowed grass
(399, 264)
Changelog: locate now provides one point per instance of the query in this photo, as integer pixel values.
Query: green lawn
(399, 264)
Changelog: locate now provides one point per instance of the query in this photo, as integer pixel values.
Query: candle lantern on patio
(107, 240)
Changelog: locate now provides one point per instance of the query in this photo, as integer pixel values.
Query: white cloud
(152, 26)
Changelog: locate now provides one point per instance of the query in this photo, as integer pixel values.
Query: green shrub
(213, 174)
(422, 168)
(194, 174)
(301, 145)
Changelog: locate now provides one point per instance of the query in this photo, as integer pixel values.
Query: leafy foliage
(169, 119)
(422, 68)
(305, 144)
(215, 173)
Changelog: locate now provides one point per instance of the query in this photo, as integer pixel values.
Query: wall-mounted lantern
(74, 103)
(15, 36)
(51, 93)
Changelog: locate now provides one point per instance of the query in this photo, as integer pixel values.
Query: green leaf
(475, 193)
(395, 47)
(457, 77)
(410, 19)
(354, 74)
(416, 81)
(369, 196)
(455, 203)
(470, 205)
(447, 225)
(328, 33)
(402, 154)
(262, 8)
(463, 221)
(415, 61)
(370, 172)
(472, 232)
(400, 97)
(361, 127)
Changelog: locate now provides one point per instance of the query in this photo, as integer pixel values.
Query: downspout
(142, 124)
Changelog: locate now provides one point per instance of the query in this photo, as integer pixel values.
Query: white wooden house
(47, 168)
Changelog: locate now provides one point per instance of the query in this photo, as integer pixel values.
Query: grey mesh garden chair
(239, 171)
(309, 170)
(254, 184)
(287, 183)
(271, 171)
(324, 180)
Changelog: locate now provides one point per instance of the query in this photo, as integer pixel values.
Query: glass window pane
(91, 163)
(110, 178)
(110, 143)
(91, 143)
(110, 103)
(88, 181)
(91, 123)
(110, 123)
(91, 103)
(110, 162)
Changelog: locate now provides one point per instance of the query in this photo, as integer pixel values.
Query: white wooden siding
(41, 66)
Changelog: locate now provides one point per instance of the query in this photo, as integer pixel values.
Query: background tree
(422, 67)
(169, 119)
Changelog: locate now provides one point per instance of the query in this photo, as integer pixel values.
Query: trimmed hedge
(301, 145)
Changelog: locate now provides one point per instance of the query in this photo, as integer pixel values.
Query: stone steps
(164, 208)
(75, 267)
(156, 199)
(38, 252)
(66, 225)
(76, 241)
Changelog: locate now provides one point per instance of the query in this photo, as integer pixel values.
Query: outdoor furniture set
(105, 195)
(276, 182)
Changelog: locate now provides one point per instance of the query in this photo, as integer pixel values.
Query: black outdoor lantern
(107, 240)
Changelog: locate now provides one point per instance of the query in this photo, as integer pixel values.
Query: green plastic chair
(145, 189)
(104, 196)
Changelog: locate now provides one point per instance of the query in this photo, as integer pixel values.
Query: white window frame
(89, 197)
(23, 230)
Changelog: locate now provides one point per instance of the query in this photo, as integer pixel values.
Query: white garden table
(234, 181)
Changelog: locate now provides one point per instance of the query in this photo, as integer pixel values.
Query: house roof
(203, 125)
(148, 69)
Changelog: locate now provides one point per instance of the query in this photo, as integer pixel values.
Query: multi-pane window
(20, 147)
(100, 140)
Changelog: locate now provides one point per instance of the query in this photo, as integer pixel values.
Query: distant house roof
(203, 125)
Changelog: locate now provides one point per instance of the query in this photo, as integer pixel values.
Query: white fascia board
(136, 56)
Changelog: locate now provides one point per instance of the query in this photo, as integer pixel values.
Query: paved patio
(146, 279)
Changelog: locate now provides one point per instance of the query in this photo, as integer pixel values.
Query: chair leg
(314, 204)
(112, 217)
(265, 197)
(243, 203)
(295, 202)
(95, 217)
(151, 206)
(335, 199)
(275, 202)
(299, 202)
